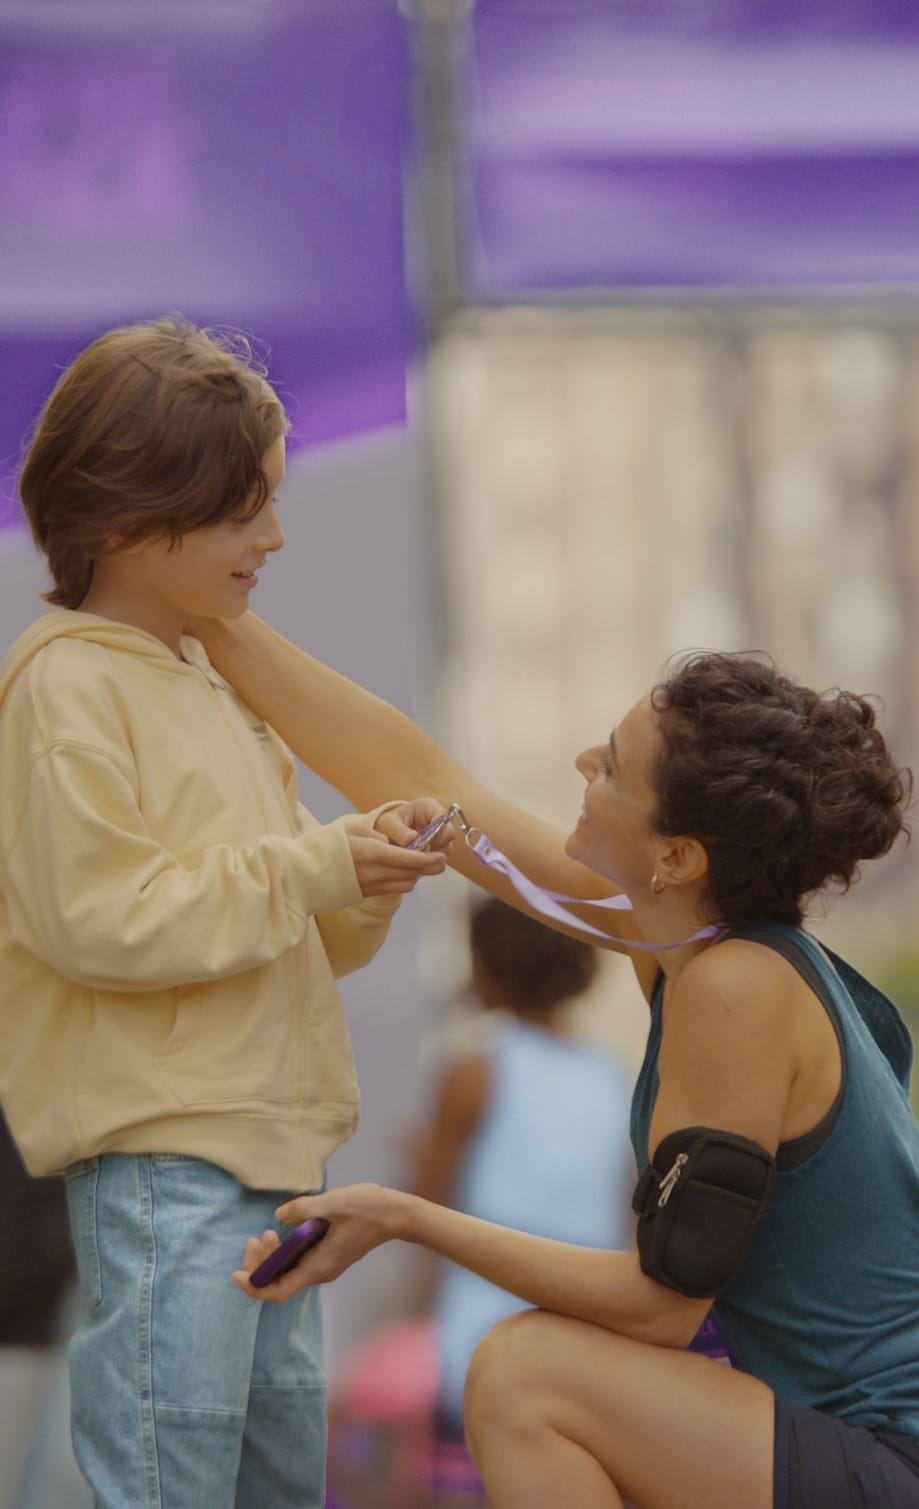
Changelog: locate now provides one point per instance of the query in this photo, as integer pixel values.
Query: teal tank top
(826, 1308)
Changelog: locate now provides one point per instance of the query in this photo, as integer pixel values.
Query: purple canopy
(238, 162)
(717, 143)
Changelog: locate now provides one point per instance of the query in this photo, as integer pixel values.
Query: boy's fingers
(360, 830)
(417, 860)
(392, 859)
(399, 830)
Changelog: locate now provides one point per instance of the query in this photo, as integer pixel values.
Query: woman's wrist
(402, 1215)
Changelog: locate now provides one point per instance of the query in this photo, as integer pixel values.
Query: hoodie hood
(68, 623)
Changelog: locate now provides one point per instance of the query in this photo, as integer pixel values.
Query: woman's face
(614, 834)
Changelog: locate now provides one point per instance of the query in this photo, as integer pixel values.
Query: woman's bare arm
(605, 1288)
(370, 751)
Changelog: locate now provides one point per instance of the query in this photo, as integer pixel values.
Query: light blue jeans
(187, 1394)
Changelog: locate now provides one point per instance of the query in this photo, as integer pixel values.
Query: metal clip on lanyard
(549, 904)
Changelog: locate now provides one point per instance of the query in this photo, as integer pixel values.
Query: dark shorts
(822, 1462)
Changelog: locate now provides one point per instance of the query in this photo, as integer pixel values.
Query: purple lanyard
(547, 903)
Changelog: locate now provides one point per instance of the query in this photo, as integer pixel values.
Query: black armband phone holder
(699, 1203)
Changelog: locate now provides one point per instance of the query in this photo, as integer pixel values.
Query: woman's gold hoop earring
(657, 885)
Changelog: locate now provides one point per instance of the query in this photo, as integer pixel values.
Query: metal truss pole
(440, 33)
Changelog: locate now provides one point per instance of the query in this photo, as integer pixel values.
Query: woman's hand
(360, 1216)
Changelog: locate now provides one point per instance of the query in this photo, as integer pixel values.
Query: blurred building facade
(622, 484)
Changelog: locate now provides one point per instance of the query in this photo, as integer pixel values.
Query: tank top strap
(825, 972)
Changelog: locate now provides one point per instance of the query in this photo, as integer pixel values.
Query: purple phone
(290, 1251)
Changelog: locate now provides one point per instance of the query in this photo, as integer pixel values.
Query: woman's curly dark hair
(789, 789)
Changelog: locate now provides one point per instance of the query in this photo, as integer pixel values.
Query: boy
(171, 925)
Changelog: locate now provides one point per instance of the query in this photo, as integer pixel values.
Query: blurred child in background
(531, 1133)
(529, 1129)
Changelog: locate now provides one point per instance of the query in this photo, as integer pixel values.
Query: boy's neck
(104, 605)
(116, 594)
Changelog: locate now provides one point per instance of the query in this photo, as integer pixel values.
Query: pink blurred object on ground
(392, 1376)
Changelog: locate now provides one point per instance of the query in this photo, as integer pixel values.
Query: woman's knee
(504, 1370)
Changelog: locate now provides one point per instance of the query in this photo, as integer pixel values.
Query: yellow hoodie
(171, 918)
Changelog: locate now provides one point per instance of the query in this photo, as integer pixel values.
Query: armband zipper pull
(670, 1179)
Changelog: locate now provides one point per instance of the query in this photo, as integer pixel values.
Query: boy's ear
(683, 862)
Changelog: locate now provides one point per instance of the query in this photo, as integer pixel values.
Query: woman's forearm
(370, 751)
(605, 1288)
(347, 735)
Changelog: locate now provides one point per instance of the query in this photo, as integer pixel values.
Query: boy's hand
(402, 824)
(383, 868)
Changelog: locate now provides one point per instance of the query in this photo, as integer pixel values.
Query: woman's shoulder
(735, 1031)
(737, 1001)
(736, 968)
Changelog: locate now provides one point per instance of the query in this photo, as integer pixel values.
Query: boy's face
(208, 572)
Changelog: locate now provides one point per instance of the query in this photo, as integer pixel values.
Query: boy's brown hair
(155, 429)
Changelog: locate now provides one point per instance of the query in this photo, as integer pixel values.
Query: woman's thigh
(670, 1429)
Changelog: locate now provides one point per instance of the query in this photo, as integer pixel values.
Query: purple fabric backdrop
(241, 163)
(726, 143)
